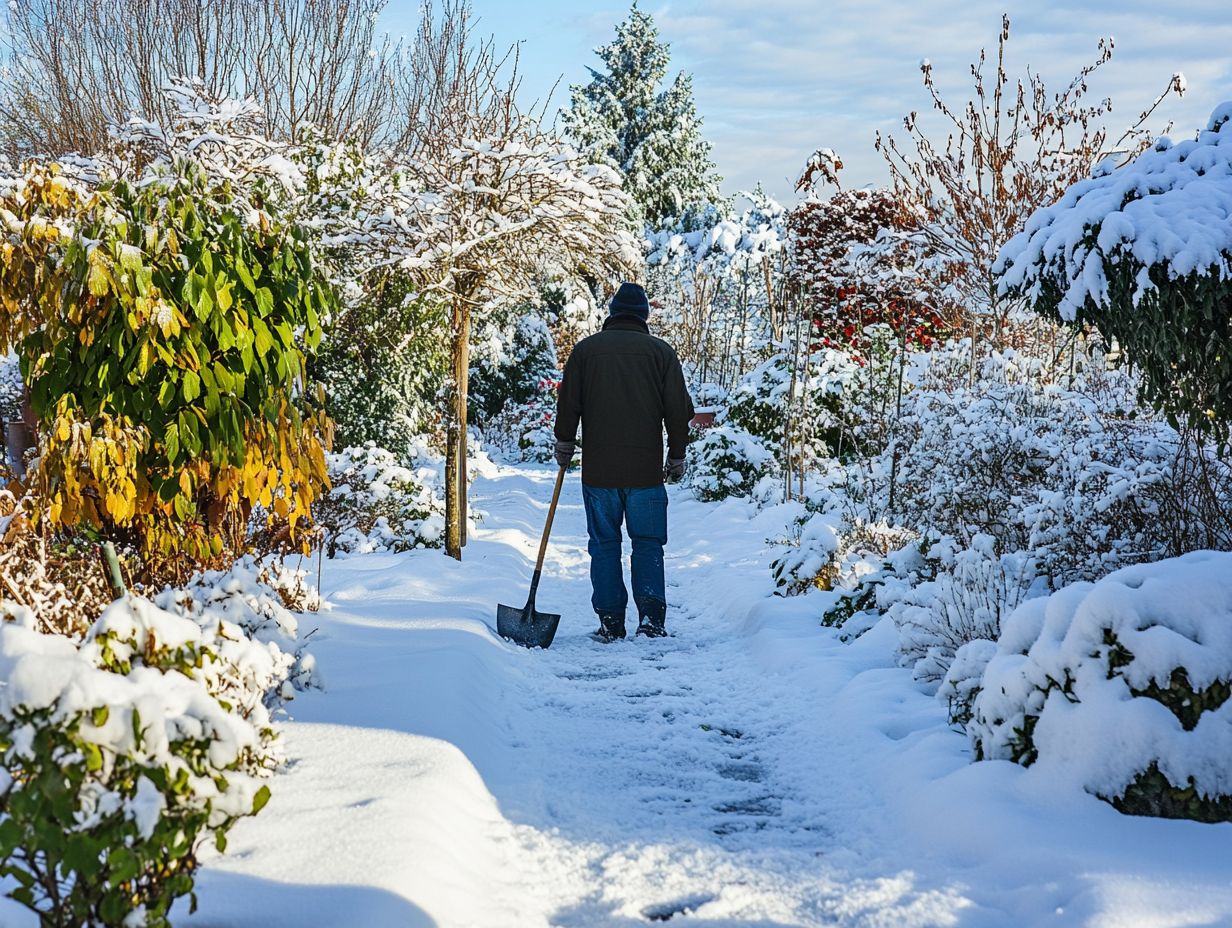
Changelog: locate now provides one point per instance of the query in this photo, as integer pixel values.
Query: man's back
(625, 386)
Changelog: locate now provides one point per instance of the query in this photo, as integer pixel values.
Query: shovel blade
(523, 625)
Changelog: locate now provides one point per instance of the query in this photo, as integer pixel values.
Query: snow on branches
(1168, 208)
(720, 281)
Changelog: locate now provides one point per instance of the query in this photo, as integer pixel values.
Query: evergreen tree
(651, 136)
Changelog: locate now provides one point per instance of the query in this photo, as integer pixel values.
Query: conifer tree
(652, 136)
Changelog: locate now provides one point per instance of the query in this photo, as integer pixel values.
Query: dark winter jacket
(625, 386)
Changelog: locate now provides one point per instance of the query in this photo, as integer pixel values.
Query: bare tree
(72, 68)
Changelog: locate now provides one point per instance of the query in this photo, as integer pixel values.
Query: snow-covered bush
(243, 674)
(829, 554)
(709, 396)
(940, 595)
(865, 594)
(965, 677)
(522, 432)
(118, 761)
(971, 591)
(808, 560)
(1144, 252)
(1077, 475)
(243, 611)
(1015, 478)
(808, 403)
(1122, 687)
(377, 503)
(726, 461)
(510, 368)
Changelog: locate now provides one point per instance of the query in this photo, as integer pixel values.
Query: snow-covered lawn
(751, 770)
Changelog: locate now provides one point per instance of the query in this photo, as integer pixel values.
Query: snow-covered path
(751, 770)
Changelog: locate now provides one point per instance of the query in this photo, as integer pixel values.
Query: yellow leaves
(89, 470)
(99, 280)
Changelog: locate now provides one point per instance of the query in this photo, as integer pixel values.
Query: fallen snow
(750, 771)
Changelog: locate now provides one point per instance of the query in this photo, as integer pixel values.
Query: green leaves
(190, 386)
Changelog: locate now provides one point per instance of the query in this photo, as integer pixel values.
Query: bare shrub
(1010, 149)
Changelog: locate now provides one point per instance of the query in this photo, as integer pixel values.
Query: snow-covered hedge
(379, 503)
(1072, 474)
(119, 757)
(940, 594)
(727, 461)
(522, 432)
(963, 680)
(1009, 481)
(242, 611)
(1123, 687)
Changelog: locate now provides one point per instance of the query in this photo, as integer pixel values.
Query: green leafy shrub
(163, 328)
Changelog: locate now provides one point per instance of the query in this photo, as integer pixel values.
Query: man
(624, 386)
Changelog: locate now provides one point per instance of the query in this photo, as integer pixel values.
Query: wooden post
(464, 486)
(111, 568)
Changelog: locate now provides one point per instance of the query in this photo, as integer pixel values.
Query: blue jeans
(644, 511)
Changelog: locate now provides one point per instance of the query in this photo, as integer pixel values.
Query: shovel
(525, 626)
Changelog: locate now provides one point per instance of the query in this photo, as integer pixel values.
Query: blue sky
(776, 79)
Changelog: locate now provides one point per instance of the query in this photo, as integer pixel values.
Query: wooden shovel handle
(547, 528)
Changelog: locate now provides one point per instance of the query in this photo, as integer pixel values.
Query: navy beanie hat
(630, 300)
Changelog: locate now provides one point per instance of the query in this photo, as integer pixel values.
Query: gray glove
(564, 452)
(674, 471)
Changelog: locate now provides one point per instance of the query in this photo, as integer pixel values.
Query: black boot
(611, 627)
(652, 622)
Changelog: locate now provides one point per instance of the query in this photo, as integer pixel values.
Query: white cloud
(776, 79)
